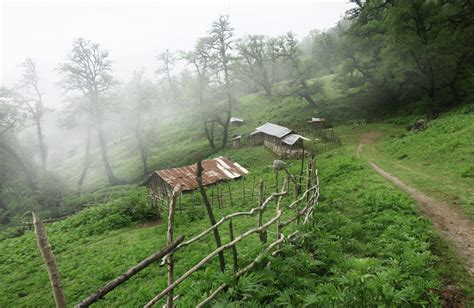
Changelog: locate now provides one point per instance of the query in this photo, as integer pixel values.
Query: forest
(383, 66)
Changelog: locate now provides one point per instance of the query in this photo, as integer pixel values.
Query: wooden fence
(284, 208)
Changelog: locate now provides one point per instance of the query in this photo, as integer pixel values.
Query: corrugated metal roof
(292, 138)
(272, 130)
(215, 170)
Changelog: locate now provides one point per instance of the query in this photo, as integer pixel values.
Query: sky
(135, 32)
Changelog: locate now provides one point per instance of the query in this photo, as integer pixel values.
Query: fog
(135, 32)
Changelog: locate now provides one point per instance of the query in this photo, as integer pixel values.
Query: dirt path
(454, 225)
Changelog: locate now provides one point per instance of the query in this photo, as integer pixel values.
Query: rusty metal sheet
(215, 170)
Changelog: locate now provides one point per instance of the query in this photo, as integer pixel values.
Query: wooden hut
(281, 140)
(236, 141)
(236, 121)
(320, 122)
(161, 182)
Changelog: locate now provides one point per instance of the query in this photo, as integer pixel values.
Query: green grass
(438, 161)
(366, 246)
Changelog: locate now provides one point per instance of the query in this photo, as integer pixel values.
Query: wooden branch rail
(209, 257)
(129, 273)
(252, 212)
(242, 271)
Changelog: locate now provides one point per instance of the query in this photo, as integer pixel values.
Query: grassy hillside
(439, 161)
(367, 242)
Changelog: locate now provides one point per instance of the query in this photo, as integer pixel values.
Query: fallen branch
(129, 273)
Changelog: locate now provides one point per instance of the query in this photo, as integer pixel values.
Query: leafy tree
(259, 58)
(33, 102)
(88, 71)
(200, 59)
(12, 115)
(168, 61)
(288, 48)
(141, 93)
(221, 41)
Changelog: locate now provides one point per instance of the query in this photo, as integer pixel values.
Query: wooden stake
(233, 248)
(50, 261)
(230, 194)
(253, 188)
(217, 237)
(262, 234)
(171, 211)
(219, 199)
(243, 188)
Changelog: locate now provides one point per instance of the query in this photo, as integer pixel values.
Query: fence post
(262, 233)
(230, 195)
(50, 261)
(212, 195)
(233, 248)
(219, 199)
(308, 178)
(171, 212)
(253, 188)
(243, 188)
(210, 213)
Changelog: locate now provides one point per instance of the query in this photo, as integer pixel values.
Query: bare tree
(222, 42)
(33, 101)
(89, 72)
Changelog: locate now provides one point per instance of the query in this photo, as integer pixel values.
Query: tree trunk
(142, 150)
(306, 95)
(29, 175)
(86, 164)
(105, 159)
(225, 134)
(42, 145)
(210, 213)
(210, 134)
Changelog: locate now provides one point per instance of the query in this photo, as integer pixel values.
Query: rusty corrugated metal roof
(215, 170)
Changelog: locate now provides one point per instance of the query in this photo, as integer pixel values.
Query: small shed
(236, 121)
(317, 121)
(161, 182)
(281, 140)
(236, 141)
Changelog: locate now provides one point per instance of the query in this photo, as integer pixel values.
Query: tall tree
(200, 60)
(221, 39)
(142, 95)
(259, 58)
(12, 115)
(288, 47)
(33, 101)
(88, 71)
(167, 62)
